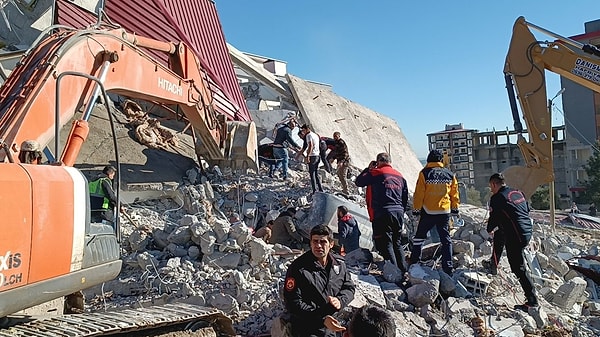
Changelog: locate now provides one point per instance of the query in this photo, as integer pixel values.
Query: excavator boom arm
(28, 96)
(525, 66)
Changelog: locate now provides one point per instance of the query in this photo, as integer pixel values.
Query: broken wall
(366, 132)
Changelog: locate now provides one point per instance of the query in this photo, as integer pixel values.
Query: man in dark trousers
(317, 285)
(325, 144)
(102, 196)
(510, 226)
(386, 197)
(312, 157)
(283, 139)
(265, 156)
(435, 199)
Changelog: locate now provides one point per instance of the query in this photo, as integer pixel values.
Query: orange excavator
(526, 61)
(48, 247)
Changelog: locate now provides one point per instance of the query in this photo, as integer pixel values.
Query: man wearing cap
(283, 139)
(30, 152)
(511, 227)
(284, 230)
(102, 196)
(435, 199)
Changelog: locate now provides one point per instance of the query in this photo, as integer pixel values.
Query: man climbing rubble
(283, 139)
(387, 198)
(341, 155)
(510, 226)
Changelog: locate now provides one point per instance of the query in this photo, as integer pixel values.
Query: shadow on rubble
(160, 166)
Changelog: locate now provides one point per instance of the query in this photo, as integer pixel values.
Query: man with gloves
(435, 199)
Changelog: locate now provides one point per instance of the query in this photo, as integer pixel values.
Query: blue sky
(423, 63)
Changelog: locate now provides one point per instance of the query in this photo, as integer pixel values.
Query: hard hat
(30, 145)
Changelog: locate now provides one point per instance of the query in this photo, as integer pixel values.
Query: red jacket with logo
(386, 190)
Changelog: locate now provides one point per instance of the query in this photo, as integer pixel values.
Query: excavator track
(122, 321)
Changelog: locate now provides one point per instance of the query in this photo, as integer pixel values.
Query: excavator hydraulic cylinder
(77, 136)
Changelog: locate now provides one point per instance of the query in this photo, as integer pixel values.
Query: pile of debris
(198, 247)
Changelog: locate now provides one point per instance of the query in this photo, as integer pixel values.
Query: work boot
(525, 306)
(490, 267)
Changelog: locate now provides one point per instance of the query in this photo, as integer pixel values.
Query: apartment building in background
(494, 151)
(457, 144)
(474, 156)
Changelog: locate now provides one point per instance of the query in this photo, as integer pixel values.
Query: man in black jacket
(386, 197)
(317, 285)
(283, 139)
(511, 227)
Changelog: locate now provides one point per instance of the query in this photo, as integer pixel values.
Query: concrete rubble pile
(198, 246)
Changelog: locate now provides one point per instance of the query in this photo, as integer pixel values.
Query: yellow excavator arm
(526, 61)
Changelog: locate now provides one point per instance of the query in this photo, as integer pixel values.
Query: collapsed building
(182, 242)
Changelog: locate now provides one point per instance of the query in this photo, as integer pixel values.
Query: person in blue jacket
(348, 231)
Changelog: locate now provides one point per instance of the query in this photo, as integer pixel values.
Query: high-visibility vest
(96, 190)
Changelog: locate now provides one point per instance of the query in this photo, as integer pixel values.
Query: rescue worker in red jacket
(386, 197)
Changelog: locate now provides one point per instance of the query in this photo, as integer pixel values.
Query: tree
(540, 199)
(473, 196)
(592, 185)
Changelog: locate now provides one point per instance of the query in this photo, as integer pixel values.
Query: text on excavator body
(170, 86)
(587, 70)
(10, 261)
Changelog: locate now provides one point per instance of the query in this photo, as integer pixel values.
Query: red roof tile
(194, 22)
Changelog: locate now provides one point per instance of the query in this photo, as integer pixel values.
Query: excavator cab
(49, 246)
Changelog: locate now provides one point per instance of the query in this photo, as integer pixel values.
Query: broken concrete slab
(360, 127)
(324, 211)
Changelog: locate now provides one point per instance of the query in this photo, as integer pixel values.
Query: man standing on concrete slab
(317, 285)
(435, 199)
(312, 157)
(341, 155)
(510, 226)
(387, 198)
(283, 139)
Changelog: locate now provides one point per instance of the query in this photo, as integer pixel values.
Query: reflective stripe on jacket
(437, 190)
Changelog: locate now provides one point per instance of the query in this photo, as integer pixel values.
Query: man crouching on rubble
(317, 285)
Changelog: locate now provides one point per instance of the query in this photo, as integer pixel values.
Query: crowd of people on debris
(313, 293)
(317, 284)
